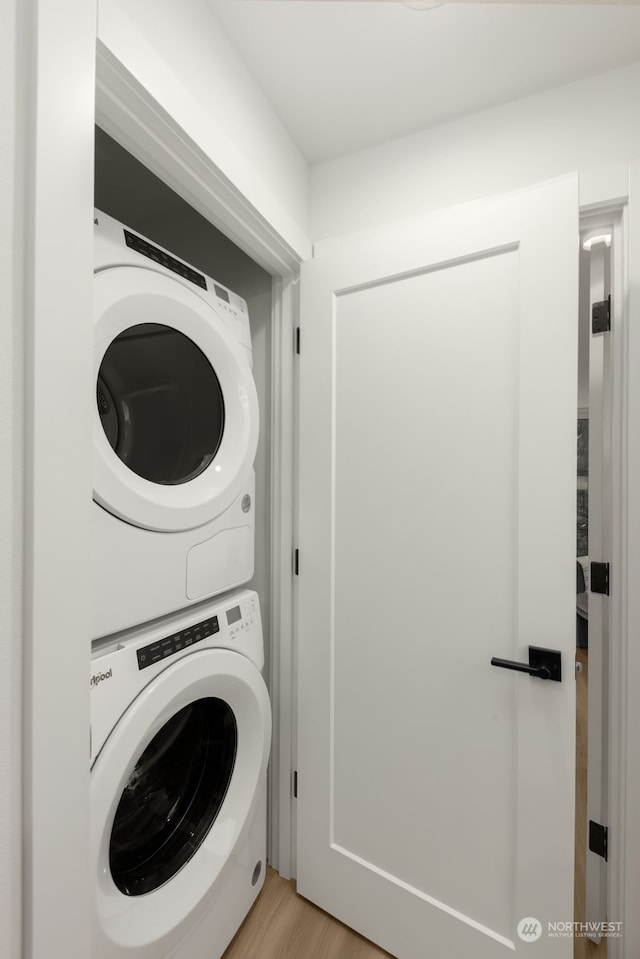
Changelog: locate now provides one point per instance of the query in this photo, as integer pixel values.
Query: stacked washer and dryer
(180, 714)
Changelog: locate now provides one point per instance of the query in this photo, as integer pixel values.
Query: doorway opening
(128, 191)
(594, 530)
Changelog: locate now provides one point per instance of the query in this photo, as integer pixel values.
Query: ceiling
(347, 75)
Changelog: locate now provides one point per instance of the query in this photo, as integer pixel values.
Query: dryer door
(173, 792)
(176, 419)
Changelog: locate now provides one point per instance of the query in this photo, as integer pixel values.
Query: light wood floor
(283, 925)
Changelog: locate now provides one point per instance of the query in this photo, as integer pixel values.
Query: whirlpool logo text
(98, 677)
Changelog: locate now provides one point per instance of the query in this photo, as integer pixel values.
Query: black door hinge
(601, 316)
(295, 784)
(599, 839)
(599, 578)
(296, 562)
(298, 340)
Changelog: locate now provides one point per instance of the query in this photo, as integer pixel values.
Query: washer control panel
(230, 625)
(154, 652)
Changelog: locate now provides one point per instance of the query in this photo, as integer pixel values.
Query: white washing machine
(180, 736)
(175, 433)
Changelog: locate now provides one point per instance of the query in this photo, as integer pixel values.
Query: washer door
(173, 792)
(176, 417)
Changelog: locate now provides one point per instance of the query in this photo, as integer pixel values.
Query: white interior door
(437, 530)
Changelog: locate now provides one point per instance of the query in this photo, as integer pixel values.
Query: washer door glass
(173, 796)
(160, 404)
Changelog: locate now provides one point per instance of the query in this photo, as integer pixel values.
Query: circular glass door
(160, 404)
(173, 796)
(176, 419)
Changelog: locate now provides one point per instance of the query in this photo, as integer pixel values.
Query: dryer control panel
(117, 245)
(169, 262)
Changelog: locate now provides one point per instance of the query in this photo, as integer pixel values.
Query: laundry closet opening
(127, 191)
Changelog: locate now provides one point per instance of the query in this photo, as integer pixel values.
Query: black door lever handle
(540, 671)
(543, 664)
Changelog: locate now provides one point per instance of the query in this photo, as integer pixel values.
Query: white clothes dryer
(174, 437)
(180, 736)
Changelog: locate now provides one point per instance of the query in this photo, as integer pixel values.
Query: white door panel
(446, 459)
(437, 515)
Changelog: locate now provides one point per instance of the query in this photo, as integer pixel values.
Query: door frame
(610, 198)
(627, 718)
(606, 194)
(47, 105)
(613, 219)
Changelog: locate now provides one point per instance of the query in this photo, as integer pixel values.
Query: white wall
(580, 126)
(11, 442)
(180, 55)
